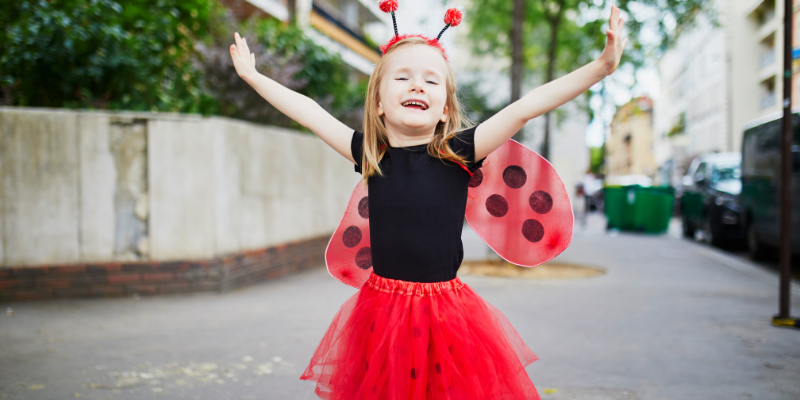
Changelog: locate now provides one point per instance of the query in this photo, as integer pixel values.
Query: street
(670, 319)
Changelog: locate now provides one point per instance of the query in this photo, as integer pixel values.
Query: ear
(380, 108)
(443, 118)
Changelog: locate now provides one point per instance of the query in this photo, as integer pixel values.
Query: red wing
(348, 254)
(519, 206)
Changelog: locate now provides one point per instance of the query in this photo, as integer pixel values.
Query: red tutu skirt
(399, 340)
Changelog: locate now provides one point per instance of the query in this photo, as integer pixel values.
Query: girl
(414, 330)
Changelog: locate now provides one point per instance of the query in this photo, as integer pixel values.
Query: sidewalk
(671, 319)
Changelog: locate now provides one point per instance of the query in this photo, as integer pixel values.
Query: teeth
(415, 103)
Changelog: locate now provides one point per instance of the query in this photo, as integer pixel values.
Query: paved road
(671, 319)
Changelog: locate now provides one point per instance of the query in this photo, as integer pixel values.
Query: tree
(286, 55)
(159, 55)
(100, 54)
(569, 34)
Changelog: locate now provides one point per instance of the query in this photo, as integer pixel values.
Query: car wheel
(711, 235)
(757, 249)
(688, 229)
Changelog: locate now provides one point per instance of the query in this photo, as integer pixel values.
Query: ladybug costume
(414, 330)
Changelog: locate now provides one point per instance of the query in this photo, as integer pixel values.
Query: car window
(724, 172)
(700, 174)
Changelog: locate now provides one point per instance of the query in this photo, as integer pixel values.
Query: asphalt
(670, 319)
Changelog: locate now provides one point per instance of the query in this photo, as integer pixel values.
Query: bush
(284, 54)
(159, 55)
(99, 54)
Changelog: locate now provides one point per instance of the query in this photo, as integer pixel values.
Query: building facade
(341, 26)
(691, 114)
(718, 78)
(629, 144)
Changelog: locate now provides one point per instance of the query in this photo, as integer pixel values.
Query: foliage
(99, 54)
(160, 55)
(679, 127)
(597, 159)
(581, 32)
(476, 105)
(490, 25)
(284, 54)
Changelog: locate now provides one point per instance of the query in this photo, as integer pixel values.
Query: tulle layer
(398, 340)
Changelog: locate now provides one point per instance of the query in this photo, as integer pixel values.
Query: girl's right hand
(243, 60)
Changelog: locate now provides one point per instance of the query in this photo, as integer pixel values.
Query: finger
(246, 48)
(239, 45)
(612, 20)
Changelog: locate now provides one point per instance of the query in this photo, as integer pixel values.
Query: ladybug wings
(519, 206)
(516, 203)
(348, 254)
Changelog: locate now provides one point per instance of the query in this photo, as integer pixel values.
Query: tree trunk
(291, 6)
(517, 18)
(555, 21)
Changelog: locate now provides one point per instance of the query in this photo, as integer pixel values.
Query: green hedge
(158, 55)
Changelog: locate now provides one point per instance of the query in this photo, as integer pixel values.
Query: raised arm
(295, 105)
(492, 133)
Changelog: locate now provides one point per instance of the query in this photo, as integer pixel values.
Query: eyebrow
(427, 70)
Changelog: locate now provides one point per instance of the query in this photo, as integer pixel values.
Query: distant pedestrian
(414, 330)
(579, 205)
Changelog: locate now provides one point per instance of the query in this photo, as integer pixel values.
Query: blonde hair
(375, 129)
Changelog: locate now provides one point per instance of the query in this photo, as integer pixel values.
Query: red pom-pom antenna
(390, 6)
(452, 16)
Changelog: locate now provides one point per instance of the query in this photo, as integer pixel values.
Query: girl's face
(412, 94)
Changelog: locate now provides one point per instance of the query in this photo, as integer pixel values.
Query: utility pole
(783, 318)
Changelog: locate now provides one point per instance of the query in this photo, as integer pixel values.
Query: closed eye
(401, 79)
(432, 82)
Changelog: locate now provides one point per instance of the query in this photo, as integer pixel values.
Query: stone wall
(87, 187)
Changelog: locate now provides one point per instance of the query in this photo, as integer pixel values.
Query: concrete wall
(84, 186)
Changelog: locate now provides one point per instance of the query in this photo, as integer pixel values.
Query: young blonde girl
(414, 330)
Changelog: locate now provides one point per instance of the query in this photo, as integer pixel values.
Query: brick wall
(113, 279)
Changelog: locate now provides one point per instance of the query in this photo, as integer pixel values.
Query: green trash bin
(618, 209)
(653, 209)
(637, 208)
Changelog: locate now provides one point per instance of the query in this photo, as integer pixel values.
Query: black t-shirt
(416, 210)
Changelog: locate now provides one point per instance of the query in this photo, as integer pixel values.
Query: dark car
(761, 164)
(710, 198)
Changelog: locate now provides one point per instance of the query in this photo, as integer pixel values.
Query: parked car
(710, 198)
(760, 199)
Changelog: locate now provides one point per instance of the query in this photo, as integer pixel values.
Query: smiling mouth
(418, 105)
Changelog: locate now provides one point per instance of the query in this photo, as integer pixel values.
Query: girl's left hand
(615, 43)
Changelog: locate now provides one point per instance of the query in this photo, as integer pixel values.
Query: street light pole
(783, 318)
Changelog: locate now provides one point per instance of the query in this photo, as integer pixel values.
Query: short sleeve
(356, 149)
(464, 145)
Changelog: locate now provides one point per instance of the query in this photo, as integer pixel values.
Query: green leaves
(155, 55)
(581, 36)
(99, 54)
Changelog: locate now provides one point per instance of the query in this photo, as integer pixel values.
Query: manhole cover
(550, 270)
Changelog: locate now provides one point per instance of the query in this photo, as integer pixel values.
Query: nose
(416, 86)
